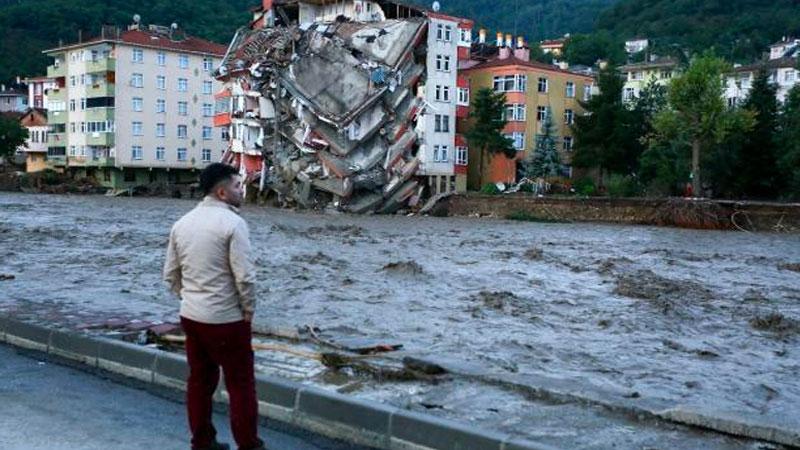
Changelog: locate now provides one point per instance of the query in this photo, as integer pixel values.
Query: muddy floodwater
(700, 318)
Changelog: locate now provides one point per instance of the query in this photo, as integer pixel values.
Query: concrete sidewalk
(49, 406)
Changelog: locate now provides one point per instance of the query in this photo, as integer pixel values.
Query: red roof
(189, 44)
(513, 61)
(154, 39)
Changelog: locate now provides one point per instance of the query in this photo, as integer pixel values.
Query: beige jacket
(208, 264)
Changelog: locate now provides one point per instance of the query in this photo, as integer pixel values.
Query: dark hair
(215, 173)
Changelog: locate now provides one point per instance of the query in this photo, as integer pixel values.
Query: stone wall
(703, 214)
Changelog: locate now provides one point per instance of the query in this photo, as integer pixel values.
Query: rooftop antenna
(436, 6)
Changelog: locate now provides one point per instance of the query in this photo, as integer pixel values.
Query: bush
(623, 186)
(584, 187)
(490, 189)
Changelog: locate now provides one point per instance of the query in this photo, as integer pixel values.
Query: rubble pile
(332, 108)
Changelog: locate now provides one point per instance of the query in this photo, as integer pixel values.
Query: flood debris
(794, 267)
(324, 111)
(404, 268)
(664, 293)
(775, 322)
(7, 277)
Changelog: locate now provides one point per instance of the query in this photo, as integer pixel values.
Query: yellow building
(533, 91)
(639, 75)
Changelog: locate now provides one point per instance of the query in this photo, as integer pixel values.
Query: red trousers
(209, 347)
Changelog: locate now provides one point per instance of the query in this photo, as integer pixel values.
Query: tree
(606, 137)
(12, 136)
(486, 133)
(756, 160)
(697, 114)
(544, 161)
(788, 140)
(586, 49)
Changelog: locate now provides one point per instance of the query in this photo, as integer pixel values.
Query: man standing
(208, 265)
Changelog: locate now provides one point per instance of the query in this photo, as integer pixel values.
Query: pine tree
(544, 161)
(486, 130)
(755, 163)
(788, 140)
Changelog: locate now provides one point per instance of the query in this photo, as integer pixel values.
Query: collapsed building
(349, 103)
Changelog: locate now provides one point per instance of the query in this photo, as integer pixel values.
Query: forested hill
(30, 26)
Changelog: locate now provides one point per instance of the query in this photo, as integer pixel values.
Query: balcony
(56, 117)
(99, 114)
(56, 72)
(100, 139)
(101, 65)
(56, 161)
(100, 162)
(57, 139)
(100, 90)
(57, 95)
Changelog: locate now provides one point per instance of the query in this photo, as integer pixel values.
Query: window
(587, 92)
(442, 93)
(461, 156)
(161, 105)
(440, 153)
(83, 103)
(206, 155)
(732, 102)
(181, 154)
(161, 130)
(183, 61)
(208, 110)
(161, 82)
(136, 152)
(541, 113)
(160, 153)
(182, 133)
(183, 85)
(542, 85)
(464, 36)
(448, 33)
(208, 64)
(207, 87)
(515, 112)
(138, 55)
(130, 176)
(137, 80)
(72, 127)
(72, 151)
(789, 75)
(138, 104)
(442, 63)
(72, 105)
(666, 74)
(72, 80)
(463, 96)
(225, 134)
(629, 93)
(137, 128)
(441, 123)
(83, 127)
(518, 139)
(570, 89)
(511, 83)
(206, 133)
(569, 116)
(567, 143)
(183, 108)
(440, 32)
(161, 58)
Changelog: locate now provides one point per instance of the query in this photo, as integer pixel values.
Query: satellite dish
(436, 6)
(174, 26)
(137, 18)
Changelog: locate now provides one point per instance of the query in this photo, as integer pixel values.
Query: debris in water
(660, 291)
(404, 268)
(533, 254)
(775, 322)
(794, 267)
(6, 276)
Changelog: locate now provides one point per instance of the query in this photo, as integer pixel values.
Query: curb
(327, 413)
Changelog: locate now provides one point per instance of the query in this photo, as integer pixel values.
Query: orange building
(533, 91)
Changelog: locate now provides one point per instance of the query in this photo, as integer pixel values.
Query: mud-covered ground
(702, 318)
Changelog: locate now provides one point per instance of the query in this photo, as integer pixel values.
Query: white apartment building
(135, 107)
(782, 66)
(442, 161)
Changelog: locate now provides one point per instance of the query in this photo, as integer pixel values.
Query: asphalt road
(49, 406)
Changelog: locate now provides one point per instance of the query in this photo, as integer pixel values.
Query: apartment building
(35, 148)
(37, 90)
(442, 153)
(13, 99)
(783, 67)
(638, 75)
(134, 107)
(533, 92)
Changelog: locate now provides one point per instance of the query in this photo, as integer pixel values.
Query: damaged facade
(352, 103)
